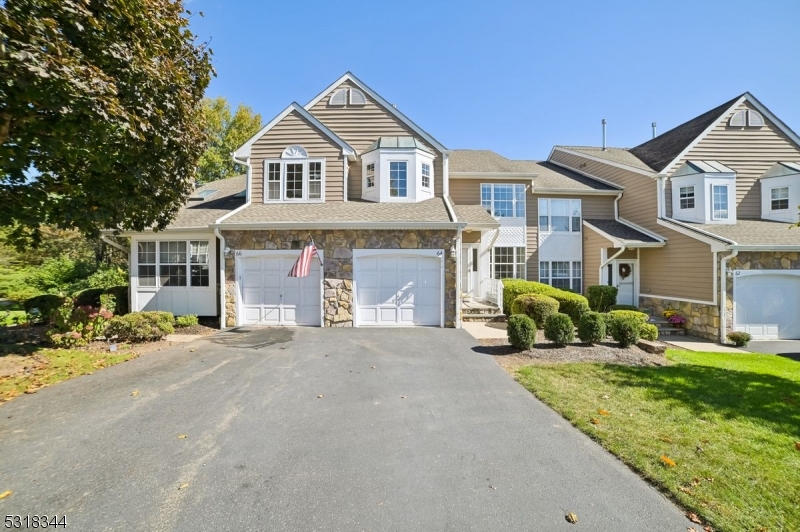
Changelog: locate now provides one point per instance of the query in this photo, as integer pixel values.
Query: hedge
(601, 297)
(640, 316)
(623, 307)
(574, 305)
(141, 326)
(91, 297)
(536, 306)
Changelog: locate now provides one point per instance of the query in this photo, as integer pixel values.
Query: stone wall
(338, 246)
(703, 320)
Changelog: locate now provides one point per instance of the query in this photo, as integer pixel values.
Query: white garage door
(269, 296)
(398, 289)
(767, 303)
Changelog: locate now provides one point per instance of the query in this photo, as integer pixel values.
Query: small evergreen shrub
(601, 297)
(624, 307)
(625, 330)
(641, 316)
(141, 326)
(648, 331)
(573, 305)
(739, 338)
(559, 329)
(592, 328)
(536, 306)
(189, 320)
(521, 331)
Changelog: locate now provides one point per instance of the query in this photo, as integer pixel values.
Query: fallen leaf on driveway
(182, 436)
(691, 516)
(183, 486)
(135, 393)
(320, 396)
(191, 350)
(603, 412)
(402, 397)
(667, 460)
(5, 494)
(493, 487)
(691, 529)
(373, 367)
(571, 518)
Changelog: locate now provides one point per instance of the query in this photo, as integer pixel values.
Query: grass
(9, 317)
(729, 422)
(50, 366)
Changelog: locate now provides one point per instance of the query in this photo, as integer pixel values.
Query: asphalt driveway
(435, 437)
(784, 348)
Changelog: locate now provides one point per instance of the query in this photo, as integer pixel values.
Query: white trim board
(244, 150)
(348, 76)
(651, 174)
(717, 243)
(618, 188)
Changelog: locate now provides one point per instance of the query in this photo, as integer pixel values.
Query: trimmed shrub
(739, 338)
(90, 296)
(141, 326)
(648, 331)
(46, 303)
(592, 328)
(536, 306)
(189, 320)
(601, 297)
(77, 326)
(559, 329)
(625, 330)
(521, 331)
(574, 305)
(623, 307)
(120, 294)
(640, 316)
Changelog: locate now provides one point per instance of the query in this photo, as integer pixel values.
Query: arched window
(295, 151)
(747, 117)
(294, 177)
(357, 97)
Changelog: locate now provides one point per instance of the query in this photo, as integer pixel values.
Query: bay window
(560, 215)
(398, 179)
(562, 274)
(508, 262)
(503, 201)
(178, 263)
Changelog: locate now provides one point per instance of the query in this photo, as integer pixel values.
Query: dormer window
(780, 192)
(397, 169)
(719, 197)
(780, 198)
(702, 192)
(746, 117)
(687, 197)
(295, 177)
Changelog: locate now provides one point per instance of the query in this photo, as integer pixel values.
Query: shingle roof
(432, 210)
(617, 155)
(398, 142)
(755, 232)
(620, 231)
(475, 215)
(554, 177)
(657, 153)
(487, 161)
(202, 213)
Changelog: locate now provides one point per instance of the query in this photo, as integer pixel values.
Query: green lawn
(729, 422)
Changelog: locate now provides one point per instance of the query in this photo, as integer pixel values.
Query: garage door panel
(368, 316)
(767, 304)
(428, 278)
(388, 314)
(428, 296)
(367, 296)
(271, 297)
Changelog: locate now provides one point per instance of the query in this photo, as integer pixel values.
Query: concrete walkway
(690, 343)
(481, 330)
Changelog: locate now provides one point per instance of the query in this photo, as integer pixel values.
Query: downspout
(723, 295)
(622, 247)
(346, 165)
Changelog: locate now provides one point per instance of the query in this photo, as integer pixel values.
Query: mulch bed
(544, 352)
(201, 330)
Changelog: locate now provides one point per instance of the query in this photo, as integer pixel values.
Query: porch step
(483, 317)
(665, 328)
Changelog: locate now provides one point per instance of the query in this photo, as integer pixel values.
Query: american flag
(303, 263)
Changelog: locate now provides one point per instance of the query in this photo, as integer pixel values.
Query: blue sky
(513, 76)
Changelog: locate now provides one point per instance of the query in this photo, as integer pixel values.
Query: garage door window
(508, 262)
(178, 263)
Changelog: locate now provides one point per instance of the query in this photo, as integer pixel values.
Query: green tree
(226, 132)
(100, 114)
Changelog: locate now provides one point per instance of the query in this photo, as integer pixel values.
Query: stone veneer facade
(338, 246)
(704, 320)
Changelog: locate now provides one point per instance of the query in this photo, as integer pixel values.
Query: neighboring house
(408, 230)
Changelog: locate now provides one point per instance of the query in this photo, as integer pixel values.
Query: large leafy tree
(226, 132)
(100, 113)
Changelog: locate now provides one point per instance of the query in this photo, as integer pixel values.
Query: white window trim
(571, 277)
(367, 175)
(422, 175)
(727, 202)
(283, 163)
(771, 199)
(693, 197)
(188, 263)
(389, 176)
(513, 200)
(550, 215)
(523, 265)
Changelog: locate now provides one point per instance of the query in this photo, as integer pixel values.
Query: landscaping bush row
(114, 299)
(571, 304)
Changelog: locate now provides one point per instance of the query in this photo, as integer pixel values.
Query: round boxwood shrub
(573, 305)
(536, 306)
(739, 338)
(625, 330)
(639, 316)
(592, 328)
(648, 331)
(521, 331)
(559, 329)
(601, 297)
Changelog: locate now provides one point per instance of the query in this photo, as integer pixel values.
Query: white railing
(493, 291)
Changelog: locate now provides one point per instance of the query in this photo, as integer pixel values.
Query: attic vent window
(746, 117)
(340, 97)
(357, 97)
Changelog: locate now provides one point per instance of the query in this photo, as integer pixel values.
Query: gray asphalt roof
(554, 177)
(202, 213)
(475, 215)
(617, 155)
(620, 231)
(432, 210)
(755, 232)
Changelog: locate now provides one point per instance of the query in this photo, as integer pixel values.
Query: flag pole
(315, 247)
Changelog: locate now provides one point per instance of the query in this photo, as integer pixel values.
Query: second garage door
(767, 303)
(398, 289)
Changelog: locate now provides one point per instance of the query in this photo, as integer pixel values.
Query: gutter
(340, 225)
(723, 294)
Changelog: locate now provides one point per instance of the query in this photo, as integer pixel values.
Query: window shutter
(754, 119)
(338, 98)
(357, 97)
(738, 119)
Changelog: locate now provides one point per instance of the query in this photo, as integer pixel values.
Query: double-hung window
(503, 201)
(560, 215)
(779, 200)
(294, 177)
(687, 197)
(173, 263)
(370, 175)
(719, 202)
(426, 175)
(562, 274)
(398, 179)
(508, 262)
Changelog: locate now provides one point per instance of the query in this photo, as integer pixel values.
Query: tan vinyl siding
(593, 242)
(294, 129)
(639, 202)
(471, 237)
(748, 151)
(629, 254)
(361, 125)
(683, 269)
